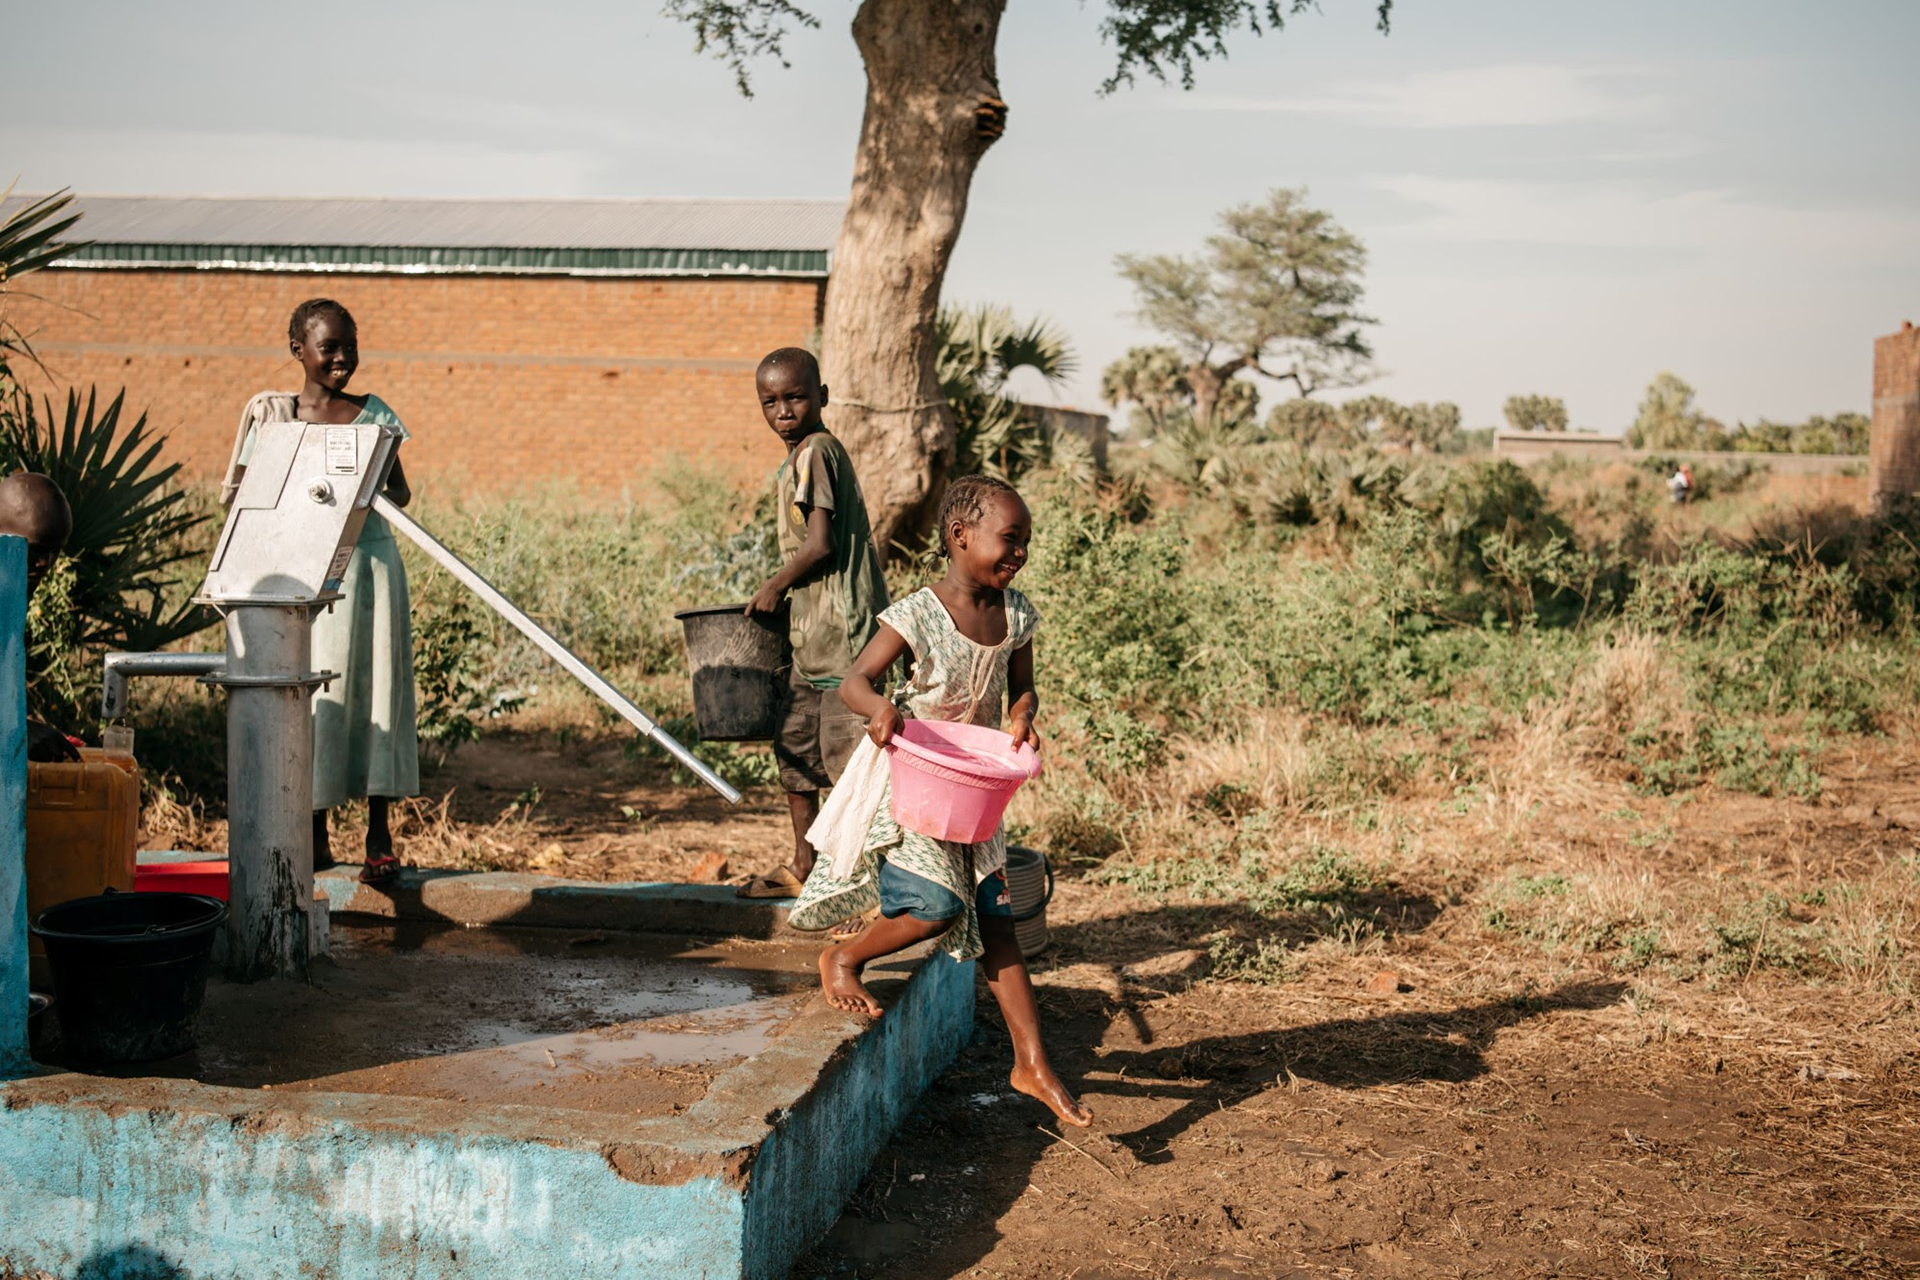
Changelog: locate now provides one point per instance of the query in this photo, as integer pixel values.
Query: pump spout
(121, 667)
(580, 671)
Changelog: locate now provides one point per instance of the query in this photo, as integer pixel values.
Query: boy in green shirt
(832, 576)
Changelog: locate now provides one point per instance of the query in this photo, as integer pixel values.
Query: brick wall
(501, 379)
(1895, 447)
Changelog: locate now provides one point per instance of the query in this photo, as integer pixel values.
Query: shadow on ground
(975, 1127)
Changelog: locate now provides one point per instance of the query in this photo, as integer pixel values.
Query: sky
(1557, 197)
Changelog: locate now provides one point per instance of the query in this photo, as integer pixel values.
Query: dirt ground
(1435, 1099)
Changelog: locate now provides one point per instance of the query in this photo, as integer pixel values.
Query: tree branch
(738, 31)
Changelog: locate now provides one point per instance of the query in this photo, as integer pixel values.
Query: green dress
(955, 679)
(364, 738)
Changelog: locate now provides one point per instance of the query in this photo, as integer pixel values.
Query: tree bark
(930, 67)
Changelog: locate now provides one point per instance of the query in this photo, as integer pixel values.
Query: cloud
(1521, 93)
(1718, 224)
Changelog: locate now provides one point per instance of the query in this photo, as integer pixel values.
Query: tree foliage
(1276, 292)
(1841, 433)
(1536, 413)
(30, 238)
(1154, 380)
(1669, 419)
(981, 347)
(1163, 39)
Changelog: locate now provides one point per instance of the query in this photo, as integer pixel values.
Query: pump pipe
(121, 667)
(585, 674)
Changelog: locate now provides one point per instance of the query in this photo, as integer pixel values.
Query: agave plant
(114, 585)
(979, 349)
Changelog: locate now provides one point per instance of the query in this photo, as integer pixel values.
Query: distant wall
(1090, 427)
(1896, 416)
(1527, 447)
(502, 379)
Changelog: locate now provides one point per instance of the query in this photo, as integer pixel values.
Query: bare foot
(1046, 1088)
(840, 982)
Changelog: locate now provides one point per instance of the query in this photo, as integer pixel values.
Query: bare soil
(1437, 1098)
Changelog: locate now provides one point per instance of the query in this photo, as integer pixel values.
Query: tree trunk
(930, 68)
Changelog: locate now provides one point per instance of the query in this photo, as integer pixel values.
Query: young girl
(363, 724)
(971, 638)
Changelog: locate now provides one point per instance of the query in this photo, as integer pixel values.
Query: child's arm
(397, 487)
(814, 552)
(870, 668)
(1022, 700)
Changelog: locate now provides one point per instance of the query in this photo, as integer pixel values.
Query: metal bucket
(739, 665)
(1030, 886)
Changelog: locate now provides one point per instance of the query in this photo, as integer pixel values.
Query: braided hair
(312, 309)
(966, 502)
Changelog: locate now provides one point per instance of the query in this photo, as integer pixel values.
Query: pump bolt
(320, 491)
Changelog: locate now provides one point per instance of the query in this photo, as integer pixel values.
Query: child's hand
(1020, 729)
(885, 723)
(767, 599)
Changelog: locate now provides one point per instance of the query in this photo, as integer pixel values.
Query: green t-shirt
(830, 618)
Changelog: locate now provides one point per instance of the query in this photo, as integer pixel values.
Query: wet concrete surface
(633, 1024)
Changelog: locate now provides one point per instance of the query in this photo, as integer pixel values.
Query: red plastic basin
(209, 878)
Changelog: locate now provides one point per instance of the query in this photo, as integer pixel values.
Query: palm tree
(29, 239)
(980, 348)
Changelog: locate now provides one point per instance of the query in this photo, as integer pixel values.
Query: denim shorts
(902, 893)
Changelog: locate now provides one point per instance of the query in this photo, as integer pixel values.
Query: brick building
(1895, 446)
(585, 341)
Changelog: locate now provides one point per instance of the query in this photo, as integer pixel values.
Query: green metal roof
(455, 260)
(792, 237)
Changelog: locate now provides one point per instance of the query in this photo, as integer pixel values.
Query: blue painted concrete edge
(818, 1154)
(124, 1178)
(14, 1059)
(144, 1189)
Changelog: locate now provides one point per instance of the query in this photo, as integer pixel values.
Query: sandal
(853, 926)
(380, 868)
(777, 883)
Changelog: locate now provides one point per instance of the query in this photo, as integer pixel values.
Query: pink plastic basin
(953, 781)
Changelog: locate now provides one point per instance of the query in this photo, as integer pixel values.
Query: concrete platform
(609, 1094)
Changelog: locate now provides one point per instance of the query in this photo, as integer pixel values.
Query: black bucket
(739, 665)
(129, 971)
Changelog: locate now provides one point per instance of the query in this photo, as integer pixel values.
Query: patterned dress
(952, 678)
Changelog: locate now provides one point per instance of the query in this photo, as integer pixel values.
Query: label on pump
(338, 568)
(343, 451)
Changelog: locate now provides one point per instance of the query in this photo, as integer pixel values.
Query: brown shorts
(817, 736)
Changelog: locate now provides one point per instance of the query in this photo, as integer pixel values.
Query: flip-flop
(854, 926)
(380, 868)
(777, 883)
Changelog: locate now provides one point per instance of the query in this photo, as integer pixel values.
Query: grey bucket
(739, 665)
(1030, 886)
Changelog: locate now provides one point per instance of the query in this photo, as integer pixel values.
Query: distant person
(969, 638)
(364, 737)
(1680, 484)
(32, 507)
(836, 590)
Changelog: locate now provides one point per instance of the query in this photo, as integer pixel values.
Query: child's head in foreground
(32, 507)
(322, 336)
(791, 393)
(984, 530)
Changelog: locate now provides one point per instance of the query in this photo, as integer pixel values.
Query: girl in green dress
(970, 641)
(364, 741)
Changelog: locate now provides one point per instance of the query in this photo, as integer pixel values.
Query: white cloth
(840, 832)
